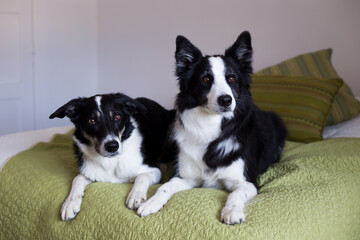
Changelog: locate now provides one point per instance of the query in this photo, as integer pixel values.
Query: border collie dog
(223, 140)
(117, 139)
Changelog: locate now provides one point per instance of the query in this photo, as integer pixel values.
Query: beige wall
(136, 39)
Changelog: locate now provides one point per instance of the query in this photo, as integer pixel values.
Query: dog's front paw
(149, 207)
(135, 198)
(71, 208)
(232, 215)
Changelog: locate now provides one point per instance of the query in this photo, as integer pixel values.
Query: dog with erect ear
(223, 140)
(117, 139)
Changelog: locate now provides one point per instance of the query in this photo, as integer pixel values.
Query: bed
(312, 193)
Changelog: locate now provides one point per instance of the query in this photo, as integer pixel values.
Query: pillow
(302, 102)
(348, 129)
(318, 64)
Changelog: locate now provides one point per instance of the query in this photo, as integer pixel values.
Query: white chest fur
(193, 132)
(122, 168)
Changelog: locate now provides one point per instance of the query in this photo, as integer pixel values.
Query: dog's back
(154, 126)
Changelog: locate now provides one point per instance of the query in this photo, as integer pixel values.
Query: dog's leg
(163, 194)
(234, 209)
(141, 186)
(71, 206)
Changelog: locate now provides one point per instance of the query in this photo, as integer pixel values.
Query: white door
(16, 66)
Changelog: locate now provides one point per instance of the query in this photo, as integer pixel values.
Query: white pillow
(350, 128)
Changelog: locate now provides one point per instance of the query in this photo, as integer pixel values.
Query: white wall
(16, 66)
(65, 46)
(136, 39)
(83, 47)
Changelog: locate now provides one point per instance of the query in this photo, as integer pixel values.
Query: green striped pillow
(302, 102)
(318, 64)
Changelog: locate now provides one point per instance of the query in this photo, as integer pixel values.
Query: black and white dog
(223, 139)
(117, 139)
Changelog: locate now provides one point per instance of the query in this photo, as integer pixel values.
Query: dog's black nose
(224, 100)
(111, 146)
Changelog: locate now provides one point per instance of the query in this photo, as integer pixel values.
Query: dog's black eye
(231, 79)
(117, 117)
(92, 121)
(206, 79)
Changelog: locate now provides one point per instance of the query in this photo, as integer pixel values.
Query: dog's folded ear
(134, 106)
(70, 110)
(186, 54)
(129, 105)
(241, 51)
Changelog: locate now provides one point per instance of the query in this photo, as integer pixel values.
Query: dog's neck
(202, 125)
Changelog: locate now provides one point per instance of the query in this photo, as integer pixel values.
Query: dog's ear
(129, 105)
(70, 110)
(241, 51)
(186, 55)
(132, 107)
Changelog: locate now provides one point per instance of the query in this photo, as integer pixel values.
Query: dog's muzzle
(225, 102)
(112, 147)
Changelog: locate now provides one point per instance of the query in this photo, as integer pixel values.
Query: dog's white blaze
(98, 102)
(227, 146)
(220, 86)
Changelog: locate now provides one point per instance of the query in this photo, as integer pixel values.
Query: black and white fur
(117, 139)
(223, 140)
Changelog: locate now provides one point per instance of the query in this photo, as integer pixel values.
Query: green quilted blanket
(312, 193)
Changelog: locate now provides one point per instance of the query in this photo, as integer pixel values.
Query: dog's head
(215, 83)
(102, 121)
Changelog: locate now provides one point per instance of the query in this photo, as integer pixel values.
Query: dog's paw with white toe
(135, 198)
(71, 208)
(232, 215)
(149, 207)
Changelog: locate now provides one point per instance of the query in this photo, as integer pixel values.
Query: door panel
(16, 66)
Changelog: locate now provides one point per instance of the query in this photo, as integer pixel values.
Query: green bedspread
(313, 193)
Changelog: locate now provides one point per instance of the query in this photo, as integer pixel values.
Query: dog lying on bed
(223, 139)
(117, 139)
